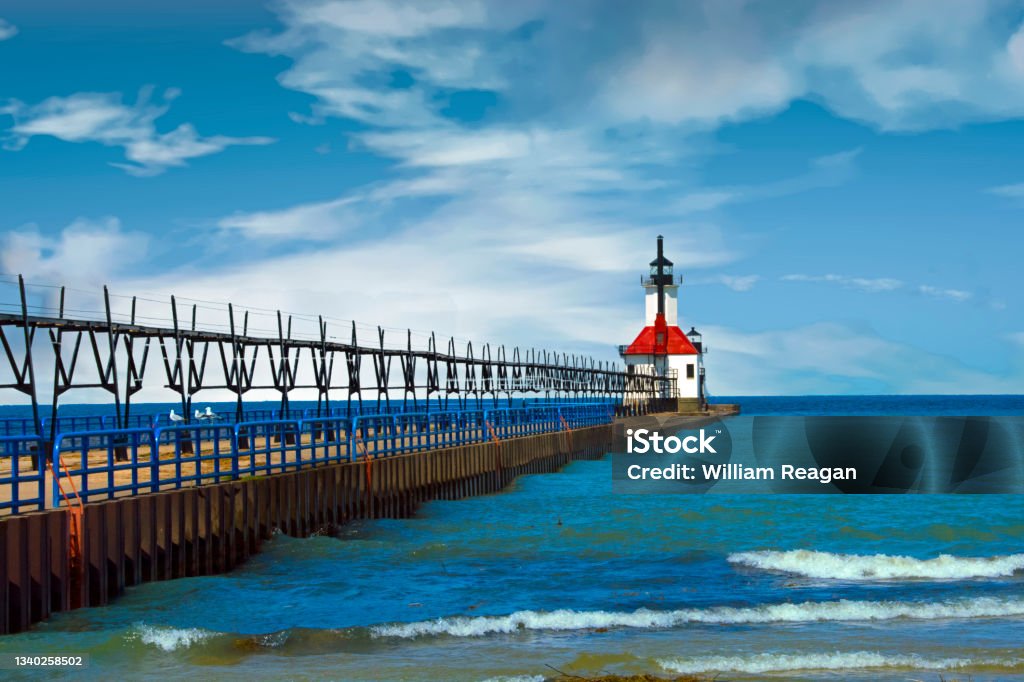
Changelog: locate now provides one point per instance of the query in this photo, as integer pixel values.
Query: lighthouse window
(689, 371)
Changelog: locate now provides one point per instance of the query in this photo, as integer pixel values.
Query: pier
(93, 504)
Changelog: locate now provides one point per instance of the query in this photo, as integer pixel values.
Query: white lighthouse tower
(661, 347)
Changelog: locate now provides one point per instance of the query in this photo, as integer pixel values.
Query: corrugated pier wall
(214, 528)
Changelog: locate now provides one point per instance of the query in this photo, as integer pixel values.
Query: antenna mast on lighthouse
(661, 275)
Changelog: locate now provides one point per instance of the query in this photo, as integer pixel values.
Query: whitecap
(862, 567)
(839, 660)
(833, 611)
(169, 638)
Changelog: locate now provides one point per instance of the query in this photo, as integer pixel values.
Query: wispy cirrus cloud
(106, 119)
(941, 292)
(1014, 191)
(830, 358)
(7, 29)
(315, 221)
(739, 283)
(876, 285)
(871, 285)
(824, 171)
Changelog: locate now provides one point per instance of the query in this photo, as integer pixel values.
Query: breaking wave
(825, 565)
(169, 638)
(853, 660)
(834, 611)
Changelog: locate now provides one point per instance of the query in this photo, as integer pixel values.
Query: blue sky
(840, 183)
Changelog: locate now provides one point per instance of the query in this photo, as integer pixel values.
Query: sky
(840, 183)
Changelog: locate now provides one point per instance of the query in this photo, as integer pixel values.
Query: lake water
(558, 571)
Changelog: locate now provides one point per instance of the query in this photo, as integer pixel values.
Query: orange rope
(366, 456)
(75, 513)
(497, 443)
(494, 436)
(568, 431)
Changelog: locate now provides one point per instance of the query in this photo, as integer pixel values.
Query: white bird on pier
(199, 415)
(175, 417)
(210, 414)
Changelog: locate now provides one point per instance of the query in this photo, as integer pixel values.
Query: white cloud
(875, 285)
(869, 284)
(1015, 51)
(828, 358)
(337, 45)
(395, 19)
(939, 292)
(706, 200)
(619, 249)
(316, 221)
(7, 29)
(104, 118)
(739, 283)
(1015, 191)
(903, 64)
(86, 252)
(672, 84)
(427, 278)
(457, 147)
(842, 160)
(825, 171)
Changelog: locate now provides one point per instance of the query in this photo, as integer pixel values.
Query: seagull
(175, 418)
(199, 415)
(209, 414)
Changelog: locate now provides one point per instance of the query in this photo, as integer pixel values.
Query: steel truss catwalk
(120, 353)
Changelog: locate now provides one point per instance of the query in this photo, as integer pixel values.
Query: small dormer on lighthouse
(661, 347)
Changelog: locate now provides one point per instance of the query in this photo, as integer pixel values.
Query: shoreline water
(558, 570)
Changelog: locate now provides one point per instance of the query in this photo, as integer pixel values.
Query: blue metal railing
(112, 462)
(281, 449)
(17, 426)
(24, 426)
(102, 455)
(17, 474)
(201, 446)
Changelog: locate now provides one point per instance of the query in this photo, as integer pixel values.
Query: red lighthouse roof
(676, 342)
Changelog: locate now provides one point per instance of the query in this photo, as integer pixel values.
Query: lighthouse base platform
(691, 407)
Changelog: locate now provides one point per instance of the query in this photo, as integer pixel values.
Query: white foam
(169, 638)
(835, 611)
(517, 678)
(839, 660)
(825, 565)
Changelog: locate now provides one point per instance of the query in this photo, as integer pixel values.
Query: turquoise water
(557, 571)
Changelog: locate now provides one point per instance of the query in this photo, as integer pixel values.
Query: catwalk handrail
(116, 462)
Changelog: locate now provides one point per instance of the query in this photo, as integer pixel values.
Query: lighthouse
(661, 347)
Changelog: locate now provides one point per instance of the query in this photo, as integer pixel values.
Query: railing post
(353, 434)
(234, 453)
(154, 460)
(55, 468)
